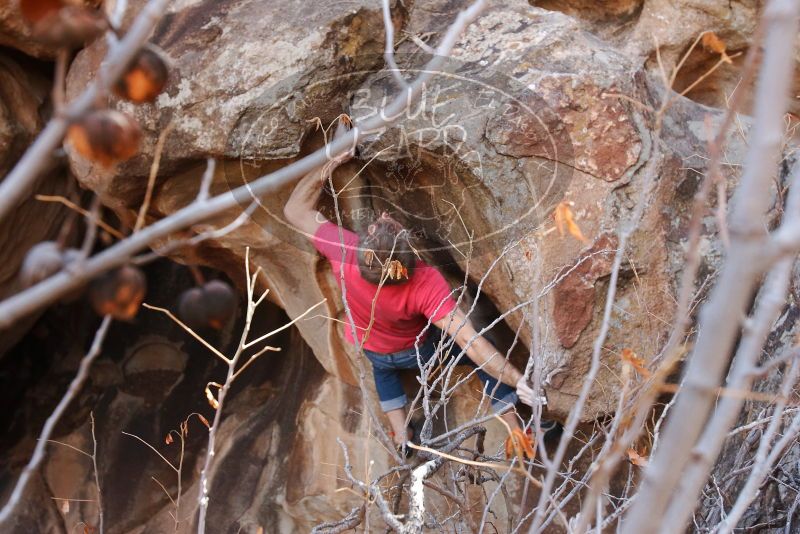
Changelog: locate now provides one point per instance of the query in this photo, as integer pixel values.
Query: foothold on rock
(106, 136)
(119, 293)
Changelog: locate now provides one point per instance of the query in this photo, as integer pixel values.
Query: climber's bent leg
(390, 393)
(387, 381)
(393, 399)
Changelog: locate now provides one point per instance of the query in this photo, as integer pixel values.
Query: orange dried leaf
(565, 220)
(636, 459)
(527, 445)
(712, 42)
(520, 445)
(210, 396)
(203, 420)
(630, 357)
(168, 439)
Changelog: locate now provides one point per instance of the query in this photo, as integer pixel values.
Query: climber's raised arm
(301, 208)
(483, 353)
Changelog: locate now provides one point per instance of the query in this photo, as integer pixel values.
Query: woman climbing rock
(394, 297)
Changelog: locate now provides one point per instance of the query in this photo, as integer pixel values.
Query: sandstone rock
(636, 27)
(239, 89)
(530, 118)
(526, 115)
(553, 132)
(575, 293)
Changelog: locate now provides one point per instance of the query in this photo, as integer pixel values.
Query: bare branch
(722, 314)
(72, 391)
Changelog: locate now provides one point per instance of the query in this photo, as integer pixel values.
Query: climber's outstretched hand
(341, 129)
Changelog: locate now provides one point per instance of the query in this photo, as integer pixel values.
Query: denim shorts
(386, 371)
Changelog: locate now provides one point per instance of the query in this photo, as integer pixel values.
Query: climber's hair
(385, 251)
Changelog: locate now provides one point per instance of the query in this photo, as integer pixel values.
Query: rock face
(504, 162)
(527, 115)
(535, 109)
(239, 89)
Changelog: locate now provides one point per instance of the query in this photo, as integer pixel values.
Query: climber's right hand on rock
(526, 394)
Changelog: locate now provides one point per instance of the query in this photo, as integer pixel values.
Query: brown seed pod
(144, 79)
(106, 136)
(70, 26)
(190, 308)
(220, 302)
(119, 293)
(42, 261)
(210, 305)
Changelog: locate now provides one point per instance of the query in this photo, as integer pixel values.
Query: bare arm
(480, 350)
(301, 208)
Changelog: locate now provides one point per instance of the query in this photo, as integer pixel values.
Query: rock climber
(412, 295)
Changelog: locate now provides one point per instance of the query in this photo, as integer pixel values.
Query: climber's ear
(371, 229)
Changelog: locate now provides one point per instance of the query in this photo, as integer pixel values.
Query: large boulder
(531, 118)
(532, 112)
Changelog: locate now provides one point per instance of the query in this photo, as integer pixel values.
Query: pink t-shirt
(401, 311)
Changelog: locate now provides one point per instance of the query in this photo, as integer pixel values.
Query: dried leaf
(64, 507)
(168, 439)
(203, 420)
(630, 357)
(565, 220)
(712, 42)
(636, 459)
(520, 445)
(317, 123)
(510, 447)
(345, 118)
(396, 270)
(210, 396)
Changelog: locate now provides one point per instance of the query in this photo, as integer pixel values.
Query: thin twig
(72, 391)
(71, 205)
